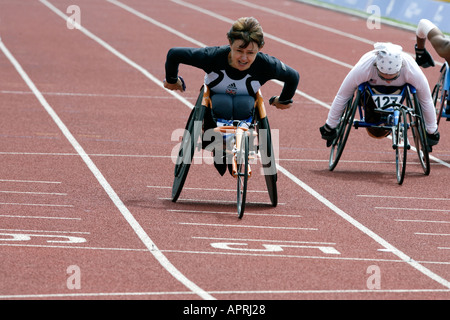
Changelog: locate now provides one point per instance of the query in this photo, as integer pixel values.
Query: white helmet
(389, 57)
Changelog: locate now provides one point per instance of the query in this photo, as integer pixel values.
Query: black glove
(328, 134)
(423, 58)
(271, 100)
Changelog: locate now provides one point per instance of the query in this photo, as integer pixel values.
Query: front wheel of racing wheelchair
(190, 141)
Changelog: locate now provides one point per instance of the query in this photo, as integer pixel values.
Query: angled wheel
(440, 95)
(419, 133)
(187, 147)
(268, 159)
(343, 130)
(401, 145)
(242, 174)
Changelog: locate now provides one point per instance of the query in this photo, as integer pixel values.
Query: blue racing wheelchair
(441, 97)
(385, 111)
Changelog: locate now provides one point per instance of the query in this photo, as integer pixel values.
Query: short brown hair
(248, 30)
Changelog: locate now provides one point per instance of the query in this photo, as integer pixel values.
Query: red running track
(87, 138)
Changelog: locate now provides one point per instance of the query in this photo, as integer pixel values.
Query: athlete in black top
(237, 69)
(234, 74)
(223, 78)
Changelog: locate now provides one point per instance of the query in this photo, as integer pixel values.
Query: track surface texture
(88, 138)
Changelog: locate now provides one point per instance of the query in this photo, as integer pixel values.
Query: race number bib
(382, 100)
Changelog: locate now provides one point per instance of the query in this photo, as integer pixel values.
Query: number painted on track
(28, 237)
(270, 247)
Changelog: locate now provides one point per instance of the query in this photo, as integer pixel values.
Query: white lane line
(234, 213)
(412, 209)
(36, 217)
(421, 221)
(37, 204)
(431, 234)
(94, 95)
(27, 181)
(401, 197)
(46, 231)
(221, 201)
(243, 226)
(33, 193)
(348, 218)
(205, 189)
(70, 247)
(144, 237)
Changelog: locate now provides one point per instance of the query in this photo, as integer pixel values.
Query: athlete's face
(242, 58)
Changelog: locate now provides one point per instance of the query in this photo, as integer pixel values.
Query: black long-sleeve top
(222, 78)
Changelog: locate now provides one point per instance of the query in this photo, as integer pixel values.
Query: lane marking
(34, 193)
(95, 95)
(401, 197)
(27, 181)
(411, 209)
(420, 221)
(45, 231)
(206, 189)
(234, 213)
(222, 201)
(243, 226)
(36, 217)
(143, 236)
(37, 204)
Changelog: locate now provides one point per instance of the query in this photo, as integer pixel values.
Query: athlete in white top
(386, 65)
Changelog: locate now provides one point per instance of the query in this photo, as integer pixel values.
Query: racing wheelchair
(441, 97)
(248, 142)
(385, 111)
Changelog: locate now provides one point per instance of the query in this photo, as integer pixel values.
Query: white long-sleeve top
(366, 71)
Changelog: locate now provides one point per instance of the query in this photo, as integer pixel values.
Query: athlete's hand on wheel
(275, 101)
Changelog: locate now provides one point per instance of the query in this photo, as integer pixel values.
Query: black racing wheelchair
(248, 142)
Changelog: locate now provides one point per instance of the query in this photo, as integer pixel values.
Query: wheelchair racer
(234, 74)
(386, 65)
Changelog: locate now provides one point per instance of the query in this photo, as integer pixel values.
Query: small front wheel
(401, 146)
(242, 174)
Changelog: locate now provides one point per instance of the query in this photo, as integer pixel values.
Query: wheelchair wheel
(242, 174)
(419, 134)
(439, 95)
(268, 159)
(187, 147)
(343, 130)
(401, 146)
